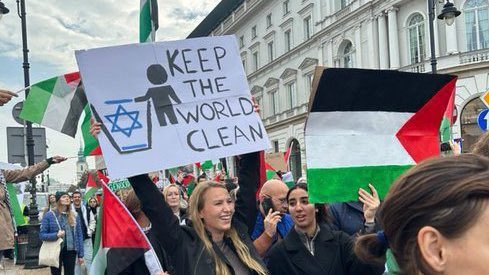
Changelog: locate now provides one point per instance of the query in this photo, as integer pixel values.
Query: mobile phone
(267, 204)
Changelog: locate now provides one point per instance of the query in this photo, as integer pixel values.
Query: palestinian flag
(288, 179)
(447, 121)
(369, 126)
(117, 247)
(56, 103)
(148, 20)
(91, 145)
(91, 188)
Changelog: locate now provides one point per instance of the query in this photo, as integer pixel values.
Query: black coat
(333, 254)
(182, 244)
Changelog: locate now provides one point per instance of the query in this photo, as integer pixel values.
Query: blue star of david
(114, 119)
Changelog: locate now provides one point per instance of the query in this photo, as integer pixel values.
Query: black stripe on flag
(77, 105)
(375, 90)
(154, 13)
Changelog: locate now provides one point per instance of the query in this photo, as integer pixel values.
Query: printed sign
(170, 103)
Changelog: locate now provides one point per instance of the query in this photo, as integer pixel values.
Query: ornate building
(281, 42)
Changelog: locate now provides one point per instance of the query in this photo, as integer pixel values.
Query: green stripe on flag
(90, 142)
(145, 21)
(14, 203)
(342, 184)
(89, 192)
(36, 103)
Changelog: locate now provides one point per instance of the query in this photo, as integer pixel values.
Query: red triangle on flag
(420, 134)
(102, 177)
(119, 228)
(90, 181)
(72, 77)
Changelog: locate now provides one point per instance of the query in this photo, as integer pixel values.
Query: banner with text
(170, 103)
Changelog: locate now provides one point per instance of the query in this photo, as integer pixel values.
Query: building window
(275, 146)
(273, 102)
(270, 51)
(343, 4)
(253, 32)
(288, 40)
(241, 41)
(309, 83)
(269, 20)
(307, 27)
(416, 38)
(256, 61)
(286, 7)
(347, 55)
(291, 95)
(243, 61)
(295, 159)
(477, 24)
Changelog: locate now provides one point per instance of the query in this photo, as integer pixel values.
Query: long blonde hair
(71, 215)
(196, 205)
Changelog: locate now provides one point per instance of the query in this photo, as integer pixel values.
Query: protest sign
(369, 126)
(170, 103)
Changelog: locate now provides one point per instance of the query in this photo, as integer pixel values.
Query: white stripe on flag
(368, 137)
(58, 105)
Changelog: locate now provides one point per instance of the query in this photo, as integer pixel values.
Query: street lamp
(34, 244)
(448, 14)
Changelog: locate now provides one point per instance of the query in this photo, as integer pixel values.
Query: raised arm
(30, 171)
(165, 224)
(249, 179)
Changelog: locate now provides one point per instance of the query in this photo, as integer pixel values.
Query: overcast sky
(56, 28)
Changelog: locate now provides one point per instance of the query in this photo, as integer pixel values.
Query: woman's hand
(61, 234)
(95, 127)
(371, 203)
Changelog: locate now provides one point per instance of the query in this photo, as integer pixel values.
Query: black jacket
(333, 254)
(185, 249)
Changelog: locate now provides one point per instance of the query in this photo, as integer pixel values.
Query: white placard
(170, 103)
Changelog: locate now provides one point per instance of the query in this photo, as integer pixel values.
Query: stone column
(373, 46)
(358, 47)
(383, 46)
(451, 38)
(393, 38)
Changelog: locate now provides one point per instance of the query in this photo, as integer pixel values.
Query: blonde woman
(218, 241)
(64, 223)
(174, 199)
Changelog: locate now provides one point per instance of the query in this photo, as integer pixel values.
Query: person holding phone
(272, 222)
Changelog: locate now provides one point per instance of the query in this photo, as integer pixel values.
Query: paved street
(11, 269)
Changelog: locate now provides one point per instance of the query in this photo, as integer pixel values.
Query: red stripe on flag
(72, 77)
(420, 134)
(90, 181)
(119, 229)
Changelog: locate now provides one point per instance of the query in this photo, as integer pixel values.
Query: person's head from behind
(201, 178)
(435, 218)
(276, 190)
(76, 198)
(481, 147)
(133, 204)
(211, 209)
(172, 195)
(305, 215)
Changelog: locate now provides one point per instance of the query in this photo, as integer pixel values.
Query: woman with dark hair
(435, 219)
(145, 265)
(92, 212)
(311, 247)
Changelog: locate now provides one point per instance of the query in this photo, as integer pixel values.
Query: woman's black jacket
(182, 244)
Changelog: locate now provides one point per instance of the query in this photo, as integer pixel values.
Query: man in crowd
(272, 223)
(81, 210)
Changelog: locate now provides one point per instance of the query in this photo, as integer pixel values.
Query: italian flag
(369, 126)
(148, 20)
(56, 103)
(117, 247)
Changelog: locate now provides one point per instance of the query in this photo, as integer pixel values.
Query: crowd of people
(433, 221)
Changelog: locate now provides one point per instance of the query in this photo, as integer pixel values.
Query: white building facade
(282, 41)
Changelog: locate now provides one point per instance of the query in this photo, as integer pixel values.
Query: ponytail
(371, 248)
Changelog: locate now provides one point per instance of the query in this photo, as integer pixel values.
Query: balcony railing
(414, 68)
(474, 56)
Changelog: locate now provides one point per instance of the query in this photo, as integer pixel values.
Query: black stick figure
(160, 95)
